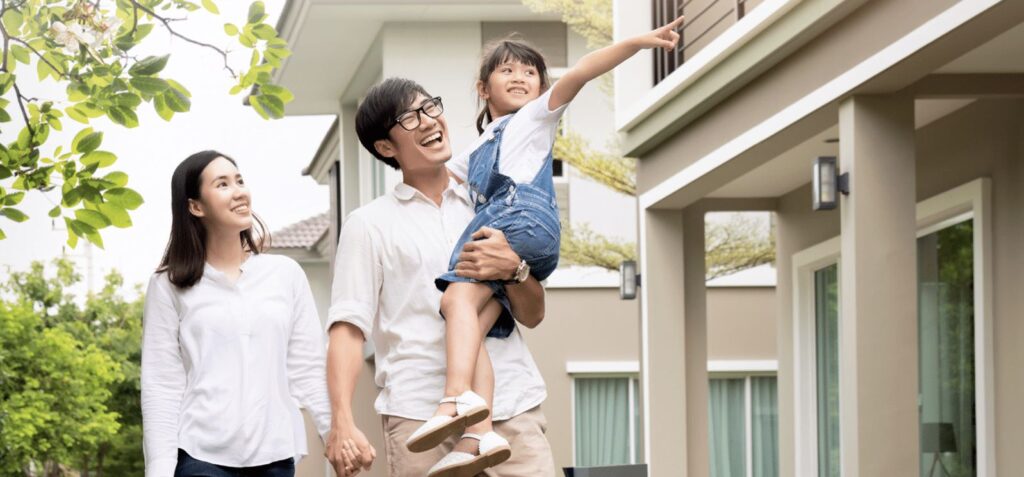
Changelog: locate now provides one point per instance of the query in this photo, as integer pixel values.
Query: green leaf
(279, 91)
(103, 158)
(95, 238)
(272, 104)
(119, 178)
(44, 71)
(129, 100)
(71, 198)
(13, 20)
(93, 218)
(178, 87)
(176, 101)
(123, 116)
(256, 12)
(13, 214)
(248, 41)
(54, 212)
(13, 199)
(230, 29)
(148, 85)
(20, 53)
(86, 141)
(118, 216)
(254, 101)
(149, 66)
(160, 105)
(2, 234)
(6, 81)
(264, 31)
(124, 197)
(4, 172)
(4, 117)
(72, 236)
(211, 7)
(77, 115)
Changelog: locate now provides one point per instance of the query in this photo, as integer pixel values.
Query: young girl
(231, 339)
(508, 172)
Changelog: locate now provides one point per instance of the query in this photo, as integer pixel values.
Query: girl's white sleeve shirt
(525, 144)
(225, 366)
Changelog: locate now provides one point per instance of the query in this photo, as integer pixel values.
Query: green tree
(69, 378)
(85, 46)
(731, 245)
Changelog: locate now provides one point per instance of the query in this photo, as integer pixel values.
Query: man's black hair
(377, 113)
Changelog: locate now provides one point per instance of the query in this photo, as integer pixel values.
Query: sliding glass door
(946, 346)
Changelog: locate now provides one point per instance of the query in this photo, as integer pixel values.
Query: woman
(231, 338)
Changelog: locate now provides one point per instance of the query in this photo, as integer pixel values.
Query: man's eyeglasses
(410, 120)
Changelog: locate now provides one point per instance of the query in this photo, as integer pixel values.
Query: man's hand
(349, 451)
(487, 257)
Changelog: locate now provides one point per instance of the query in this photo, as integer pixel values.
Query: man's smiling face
(426, 146)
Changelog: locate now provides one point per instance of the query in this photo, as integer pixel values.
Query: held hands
(487, 257)
(349, 451)
(665, 37)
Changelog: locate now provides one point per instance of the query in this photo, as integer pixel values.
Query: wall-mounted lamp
(828, 183)
(629, 280)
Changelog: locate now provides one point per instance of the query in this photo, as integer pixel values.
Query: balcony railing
(705, 20)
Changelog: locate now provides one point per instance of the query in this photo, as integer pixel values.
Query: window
(743, 425)
(606, 420)
(945, 270)
(705, 21)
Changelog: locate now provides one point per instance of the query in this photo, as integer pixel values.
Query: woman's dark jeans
(189, 466)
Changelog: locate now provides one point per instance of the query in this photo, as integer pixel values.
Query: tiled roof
(302, 234)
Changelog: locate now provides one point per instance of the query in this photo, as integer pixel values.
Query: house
(587, 351)
(898, 311)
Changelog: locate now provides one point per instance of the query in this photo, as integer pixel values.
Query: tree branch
(24, 114)
(167, 25)
(42, 58)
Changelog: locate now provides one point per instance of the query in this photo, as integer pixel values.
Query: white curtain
(602, 421)
(727, 428)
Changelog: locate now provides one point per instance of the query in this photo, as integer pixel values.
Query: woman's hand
(665, 37)
(349, 451)
(487, 257)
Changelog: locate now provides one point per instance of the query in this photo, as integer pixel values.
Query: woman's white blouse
(225, 363)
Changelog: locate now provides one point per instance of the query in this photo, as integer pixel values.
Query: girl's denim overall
(526, 213)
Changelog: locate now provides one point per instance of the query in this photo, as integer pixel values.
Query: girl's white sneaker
(470, 409)
(494, 450)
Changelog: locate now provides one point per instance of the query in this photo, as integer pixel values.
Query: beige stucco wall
(741, 323)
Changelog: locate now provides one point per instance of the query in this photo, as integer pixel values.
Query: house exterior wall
(983, 139)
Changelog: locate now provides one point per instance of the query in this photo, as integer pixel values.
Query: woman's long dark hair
(511, 48)
(185, 256)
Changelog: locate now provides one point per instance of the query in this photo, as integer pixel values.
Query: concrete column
(673, 343)
(696, 347)
(878, 288)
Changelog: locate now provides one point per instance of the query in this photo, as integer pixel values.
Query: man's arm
(344, 362)
(489, 257)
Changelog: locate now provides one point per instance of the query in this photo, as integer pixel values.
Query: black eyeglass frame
(436, 101)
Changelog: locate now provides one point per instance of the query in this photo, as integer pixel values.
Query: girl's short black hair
(497, 53)
(377, 113)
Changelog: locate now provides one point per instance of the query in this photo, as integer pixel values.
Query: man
(389, 253)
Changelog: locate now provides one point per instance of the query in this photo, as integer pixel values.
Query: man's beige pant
(531, 453)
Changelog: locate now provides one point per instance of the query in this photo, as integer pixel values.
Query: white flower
(107, 28)
(70, 37)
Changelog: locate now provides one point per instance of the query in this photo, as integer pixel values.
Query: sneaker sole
(435, 437)
(476, 466)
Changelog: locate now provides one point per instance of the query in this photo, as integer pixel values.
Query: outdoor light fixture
(828, 184)
(629, 280)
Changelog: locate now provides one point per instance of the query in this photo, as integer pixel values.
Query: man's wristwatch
(522, 273)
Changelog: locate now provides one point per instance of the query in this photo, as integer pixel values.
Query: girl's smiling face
(509, 87)
(223, 198)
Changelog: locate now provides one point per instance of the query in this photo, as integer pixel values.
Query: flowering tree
(86, 47)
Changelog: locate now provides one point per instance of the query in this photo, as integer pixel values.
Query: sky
(270, 155)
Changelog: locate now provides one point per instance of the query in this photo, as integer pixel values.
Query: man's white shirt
(389, 253)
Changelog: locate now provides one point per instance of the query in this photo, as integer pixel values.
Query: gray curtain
(602, 421)
(826, 301)
(727, 428)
